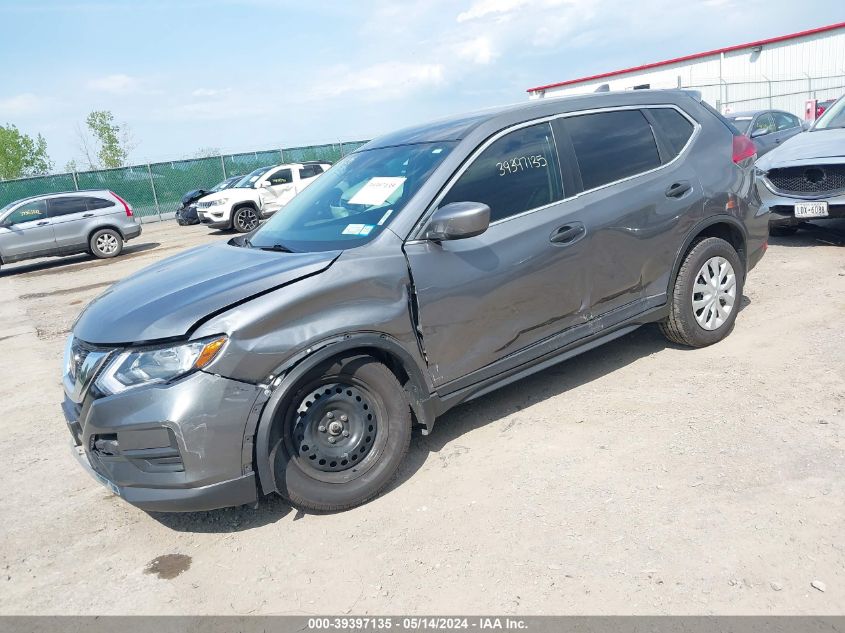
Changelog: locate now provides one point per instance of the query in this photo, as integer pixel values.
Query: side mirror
(759, 132)
(457, 221)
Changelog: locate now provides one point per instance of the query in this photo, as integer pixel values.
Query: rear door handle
(567, 234)
(87, 215)
(678, 189)
(44, 223)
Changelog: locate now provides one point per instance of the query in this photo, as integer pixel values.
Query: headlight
(219, 201)
(134, 368)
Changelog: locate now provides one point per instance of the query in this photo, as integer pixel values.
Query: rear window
(674, 127)
(99, 203)
(611, 146)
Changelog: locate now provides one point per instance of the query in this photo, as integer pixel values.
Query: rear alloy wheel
(245, 219)
(707, 294)
(106, 243)
(344, 434)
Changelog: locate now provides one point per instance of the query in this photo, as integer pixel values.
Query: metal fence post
(223, 165)
(153, 187)
(281, 154)
(75, 180)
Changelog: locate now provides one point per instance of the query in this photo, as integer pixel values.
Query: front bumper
(215, 218)
(782, 207)
(175, 448)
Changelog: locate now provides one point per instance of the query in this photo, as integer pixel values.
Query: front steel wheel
(343, 434)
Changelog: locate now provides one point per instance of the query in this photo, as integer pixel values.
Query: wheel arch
(726, 227)
(382, 347)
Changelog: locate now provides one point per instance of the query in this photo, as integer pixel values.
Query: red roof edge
(772, 40)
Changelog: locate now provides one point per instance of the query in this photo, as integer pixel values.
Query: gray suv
(95, 221)
(426, 269)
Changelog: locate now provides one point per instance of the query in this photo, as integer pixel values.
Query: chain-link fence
(155, 189)
(766, 94)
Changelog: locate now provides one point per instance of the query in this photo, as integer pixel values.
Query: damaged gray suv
(426, 269)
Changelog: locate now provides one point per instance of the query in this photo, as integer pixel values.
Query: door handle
(567, 234)
(678, 189)
(87, 215)
(44, 223)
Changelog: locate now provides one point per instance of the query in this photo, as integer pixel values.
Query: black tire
(245, 219)
(318, 467)
(682, 325)
(106, 243)
(782, 231)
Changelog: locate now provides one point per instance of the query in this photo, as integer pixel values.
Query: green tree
(113, 140)
(21, 155)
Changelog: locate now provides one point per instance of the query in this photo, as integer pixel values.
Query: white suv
(257, 195)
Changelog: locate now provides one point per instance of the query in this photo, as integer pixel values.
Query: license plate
(811, 210)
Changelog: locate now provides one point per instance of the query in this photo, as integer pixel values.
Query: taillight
(743, 148)
(124, 203)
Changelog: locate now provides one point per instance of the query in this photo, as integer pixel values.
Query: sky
(258, 74)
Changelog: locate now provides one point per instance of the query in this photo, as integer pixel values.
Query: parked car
(425, 269)
(257, 195)
(96, 221)
(804, 179)
(767, 128)
(186, 214)
(821, 106)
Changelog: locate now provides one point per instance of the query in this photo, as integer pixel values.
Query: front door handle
(678, 189)
(567, 234)
(44, 223)
(87, 215)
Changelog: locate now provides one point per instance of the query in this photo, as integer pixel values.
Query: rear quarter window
(610, 146)
(99, 203)
(674, 127)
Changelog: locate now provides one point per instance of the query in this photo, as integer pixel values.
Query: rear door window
(610, 146)
(67, 205)
(674, 127)
(516, 173)
(99, 203)
(784, 121)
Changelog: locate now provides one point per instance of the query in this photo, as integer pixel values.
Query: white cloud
(210, 92)
(377, 82)
(118, 84)
(19, 105)
(478, 50)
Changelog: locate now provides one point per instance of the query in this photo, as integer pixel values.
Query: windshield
(248, 181)
(220, 186)
(833, 117)
(741, 123)
(353, 201)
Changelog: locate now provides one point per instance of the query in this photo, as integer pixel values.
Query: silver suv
(95, 221)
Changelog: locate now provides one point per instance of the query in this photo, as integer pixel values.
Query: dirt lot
(636, 478)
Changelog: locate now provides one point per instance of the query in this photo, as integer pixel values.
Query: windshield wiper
(278, 248)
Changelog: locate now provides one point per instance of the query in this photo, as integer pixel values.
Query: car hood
(193, 196)
(233, 193)
(805, 148)
(168, 299)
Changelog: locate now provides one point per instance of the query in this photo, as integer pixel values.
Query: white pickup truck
(257, 195)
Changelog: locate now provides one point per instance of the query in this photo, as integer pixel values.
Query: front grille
(809, 179)
(204, 205)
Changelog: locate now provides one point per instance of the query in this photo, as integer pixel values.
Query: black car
(187, 212)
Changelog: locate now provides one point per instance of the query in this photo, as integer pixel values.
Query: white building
(782, 72)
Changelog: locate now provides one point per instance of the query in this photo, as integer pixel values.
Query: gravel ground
(637, 478)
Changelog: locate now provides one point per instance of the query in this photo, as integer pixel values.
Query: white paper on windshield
(353, 229)
(377, 190)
